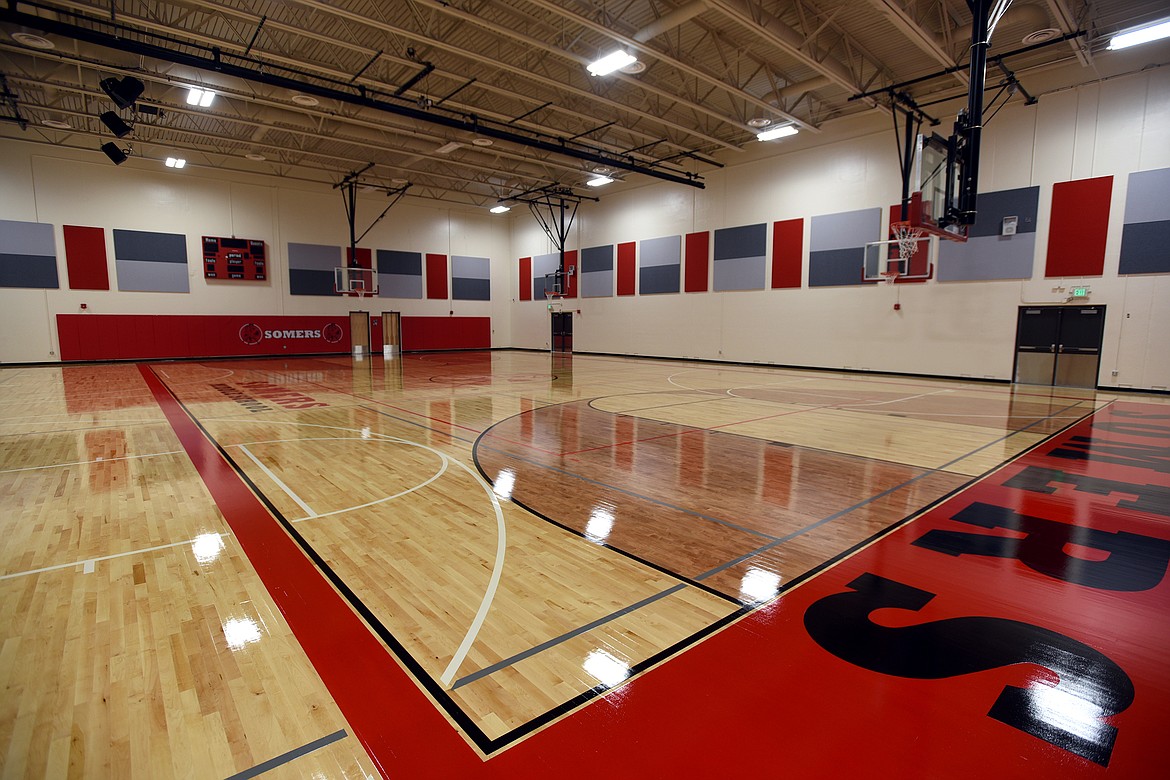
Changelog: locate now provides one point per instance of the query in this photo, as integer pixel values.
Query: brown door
(359, 331)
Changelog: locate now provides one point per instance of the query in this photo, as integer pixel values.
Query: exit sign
(1080, 292)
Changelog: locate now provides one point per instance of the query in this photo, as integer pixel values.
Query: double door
(562, 331)
(1059, 345)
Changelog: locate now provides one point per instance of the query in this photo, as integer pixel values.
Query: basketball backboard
(935, 183)
(361, 282)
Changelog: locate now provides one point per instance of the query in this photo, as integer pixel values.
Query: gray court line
(291, 755)
(484, 672)
(412, 422)
(740, 559)
(777, 540)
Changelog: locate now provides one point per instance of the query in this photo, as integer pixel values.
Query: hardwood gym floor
(516, 564)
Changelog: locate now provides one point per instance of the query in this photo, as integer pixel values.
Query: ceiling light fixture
(777, 132)
(448, 147)
(176, 162)
(1152, 32)
(197, 96)
(599, 181)
(615, 60)
(500, 208)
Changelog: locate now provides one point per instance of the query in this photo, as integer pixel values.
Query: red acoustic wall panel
(147, 336)
(1080, 225)
(446, 333)
(85, 258)
(626, 270)
(364, 258)
(696, 262)
(436, 277)
(571, 271)
(525, 278)
(787, 253)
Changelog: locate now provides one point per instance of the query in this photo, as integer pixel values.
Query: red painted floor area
(1019, 629)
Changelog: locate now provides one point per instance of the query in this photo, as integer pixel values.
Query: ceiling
(477, 101)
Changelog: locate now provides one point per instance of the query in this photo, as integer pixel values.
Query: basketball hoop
(907, 236)
(889, 277)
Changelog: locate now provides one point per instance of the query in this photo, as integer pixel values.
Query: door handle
(1052, 348)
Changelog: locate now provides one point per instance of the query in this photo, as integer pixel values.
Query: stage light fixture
(117, 156)
(114, 122)
(123, 91)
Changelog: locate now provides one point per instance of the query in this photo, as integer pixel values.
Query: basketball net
(907, 236)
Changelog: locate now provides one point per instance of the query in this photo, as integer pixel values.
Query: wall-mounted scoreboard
(233, 258)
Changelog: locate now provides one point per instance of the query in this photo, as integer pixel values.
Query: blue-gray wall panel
(992, 207)
(33, 271)
(463, 289)
(657, 279)
(1147, 196)
(463, 267)
(834, 267)
(541, 265)
(314, 257)
(27, 238)
(663, 251)
(150, 247)
(743, 241)
(597, 284)
(148, 276)
(739, 273)
(399, 285)
(308, 281)
(597, 258)
(391, 261)
(1145, 248)
(987, 257)
(846, 230)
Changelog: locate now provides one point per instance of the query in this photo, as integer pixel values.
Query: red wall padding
(1080, 224)
(626, 272)
(365, 258)
(146, 336)
(571, 281)
(696, 262)
(436, 277)
(525, 278)
(85, 258)
(787, 253)
(446, 333)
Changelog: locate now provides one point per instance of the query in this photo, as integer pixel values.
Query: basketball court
(513, 563)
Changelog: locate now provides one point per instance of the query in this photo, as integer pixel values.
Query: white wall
(954, 328)
(44, 184)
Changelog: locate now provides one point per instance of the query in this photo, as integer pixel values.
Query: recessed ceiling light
(56, 124)
(175, 162)
(759, 121)
(255, 157)
(482, 141)
(305, 100)
(33, 41)
(197, 96)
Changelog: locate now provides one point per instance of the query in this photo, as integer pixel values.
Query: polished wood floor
(519, 532)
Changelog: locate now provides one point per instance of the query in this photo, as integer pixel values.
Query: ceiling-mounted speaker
(123, 91)
(116, 125)
(117, 156)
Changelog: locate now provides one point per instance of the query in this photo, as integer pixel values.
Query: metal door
(1059, 345)
(562, 331)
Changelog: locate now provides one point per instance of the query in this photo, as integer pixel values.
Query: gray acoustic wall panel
(837, 246)
(597, 272)
(28, 255)
(311, 269)
(987, 254)
(1145, 235)
(399, 274)
(151, 262)
(740, 258)
(470, 278)
(541, 265)
(659, 265)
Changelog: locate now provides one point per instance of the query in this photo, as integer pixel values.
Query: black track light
(123, 91)
(116, 125)
(117, 156)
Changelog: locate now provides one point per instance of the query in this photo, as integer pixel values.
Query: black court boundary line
(291, 755)
(799, 579)
(485, 744)
(488, 745)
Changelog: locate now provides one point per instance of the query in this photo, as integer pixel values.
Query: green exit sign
(1080, 292)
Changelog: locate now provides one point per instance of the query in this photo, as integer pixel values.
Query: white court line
(894, 400)
(289, 491)
(95, 460)
(501, 540)
(88, 565)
